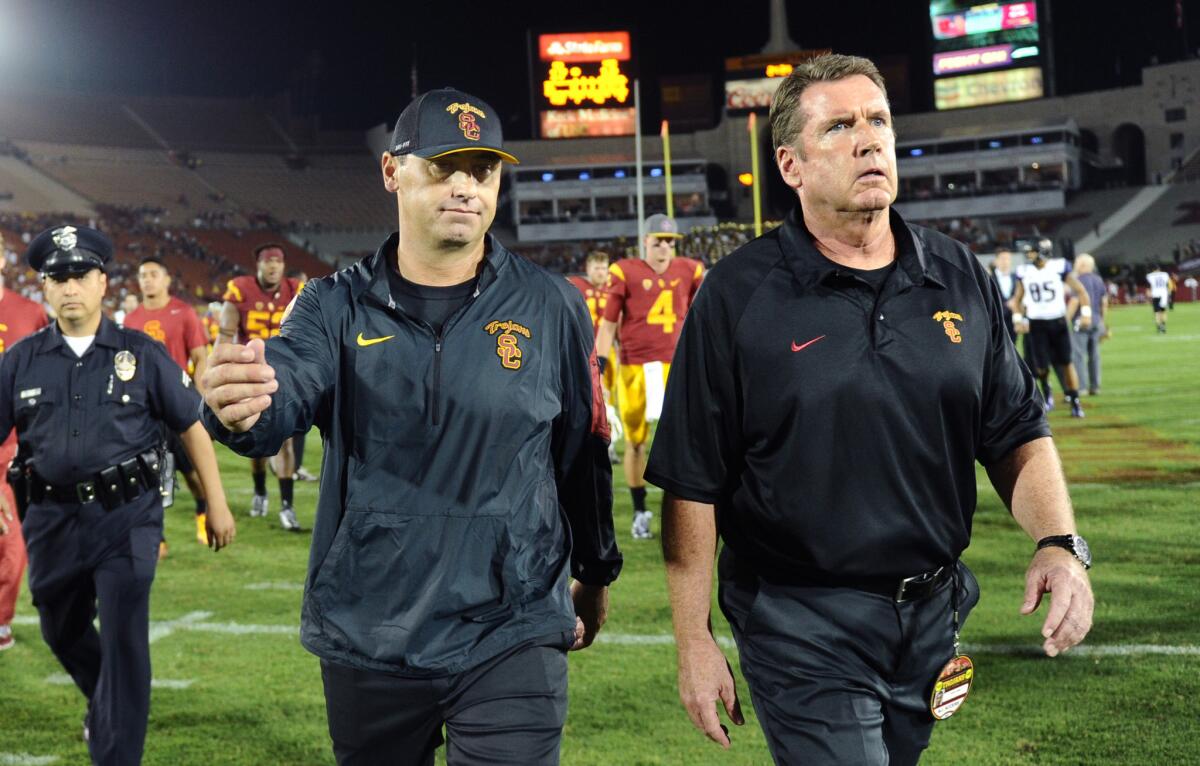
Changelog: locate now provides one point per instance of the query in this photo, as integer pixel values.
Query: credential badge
(125, 365)
(64, 237)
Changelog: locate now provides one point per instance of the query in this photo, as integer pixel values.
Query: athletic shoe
(201, 532)
(1049, 397)
(303, 474)
(287, 519)
(6, 638)
(1093, 392)
(641, 525)
(260, 505)
(1076, 409)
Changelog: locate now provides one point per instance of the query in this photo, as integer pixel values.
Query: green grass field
(1128, 696)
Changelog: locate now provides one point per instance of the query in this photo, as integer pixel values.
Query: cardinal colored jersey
(596, 298)
(175, 325)
(19, 317)
(260, 313)
(650, 306)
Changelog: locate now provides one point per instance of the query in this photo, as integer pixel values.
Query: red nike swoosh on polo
(803, 346)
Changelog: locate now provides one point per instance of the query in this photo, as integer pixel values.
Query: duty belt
(899, 589)
(112, 487)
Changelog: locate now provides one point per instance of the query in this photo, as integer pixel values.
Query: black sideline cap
(445, 121)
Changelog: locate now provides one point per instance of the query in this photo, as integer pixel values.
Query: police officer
(88, 400)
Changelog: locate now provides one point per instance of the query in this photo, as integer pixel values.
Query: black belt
(112, 487)
(899, 589)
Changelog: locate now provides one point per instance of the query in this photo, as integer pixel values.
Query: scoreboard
(985, 53)
(583, 84)
(751, 80)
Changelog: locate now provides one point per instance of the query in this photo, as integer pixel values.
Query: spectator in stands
(1085, 342)
(129, 304)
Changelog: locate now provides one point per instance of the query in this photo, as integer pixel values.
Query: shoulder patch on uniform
(31, 392)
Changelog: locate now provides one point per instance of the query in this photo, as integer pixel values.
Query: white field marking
(1086, 650)
(165, 628)
(663, 639)
(25, 619)
(275, 586)
(25, 759)
(239, 629)
(62, 679)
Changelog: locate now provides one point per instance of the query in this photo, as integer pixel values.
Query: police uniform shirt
(836, 428)
(76, 416)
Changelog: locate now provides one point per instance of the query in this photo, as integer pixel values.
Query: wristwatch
(1073, 543)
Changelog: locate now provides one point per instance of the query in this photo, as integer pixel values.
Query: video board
(583, 84)
(985, 53)
(750, 81)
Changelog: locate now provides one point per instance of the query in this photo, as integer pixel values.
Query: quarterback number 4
(663, 312)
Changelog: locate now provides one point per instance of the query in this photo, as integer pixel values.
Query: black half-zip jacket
(465, 473)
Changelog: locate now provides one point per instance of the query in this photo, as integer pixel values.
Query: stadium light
(746, 179)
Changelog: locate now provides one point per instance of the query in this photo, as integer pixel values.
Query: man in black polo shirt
(835, 382)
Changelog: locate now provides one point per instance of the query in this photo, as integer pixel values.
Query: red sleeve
(193, 333)
(618, 291)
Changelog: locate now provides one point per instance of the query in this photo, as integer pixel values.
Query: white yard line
(194, 622)
(162, 629)
(274, 586)
(62, 679)
(25, 759)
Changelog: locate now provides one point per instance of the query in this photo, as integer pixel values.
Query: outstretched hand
(238, 384)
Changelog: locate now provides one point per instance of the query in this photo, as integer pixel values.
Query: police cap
(69, 250)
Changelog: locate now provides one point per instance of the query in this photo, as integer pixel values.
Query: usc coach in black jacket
(465, 477)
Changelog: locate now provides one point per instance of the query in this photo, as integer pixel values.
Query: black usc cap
(445, 121)
(69, 250)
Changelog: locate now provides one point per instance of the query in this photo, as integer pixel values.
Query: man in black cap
(465, 478)
(88, 399)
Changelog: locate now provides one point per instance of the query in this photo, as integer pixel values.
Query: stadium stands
(126, 177)
(1163, 230)
(330, 191)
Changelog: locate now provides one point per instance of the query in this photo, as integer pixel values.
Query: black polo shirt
(836, 428)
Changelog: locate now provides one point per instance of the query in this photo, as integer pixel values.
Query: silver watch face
(1082, 551)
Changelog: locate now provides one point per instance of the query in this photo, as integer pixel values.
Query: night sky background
(350, 63)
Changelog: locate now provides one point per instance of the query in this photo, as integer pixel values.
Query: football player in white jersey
(1041, 293)
(1160, 295)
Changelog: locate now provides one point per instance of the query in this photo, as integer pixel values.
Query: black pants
(85, 561)
(509, 710)
(841, 676)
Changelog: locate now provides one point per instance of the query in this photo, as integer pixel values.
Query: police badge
(65, 238)
(126, 365)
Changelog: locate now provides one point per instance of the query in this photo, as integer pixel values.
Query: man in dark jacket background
(465, 477)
